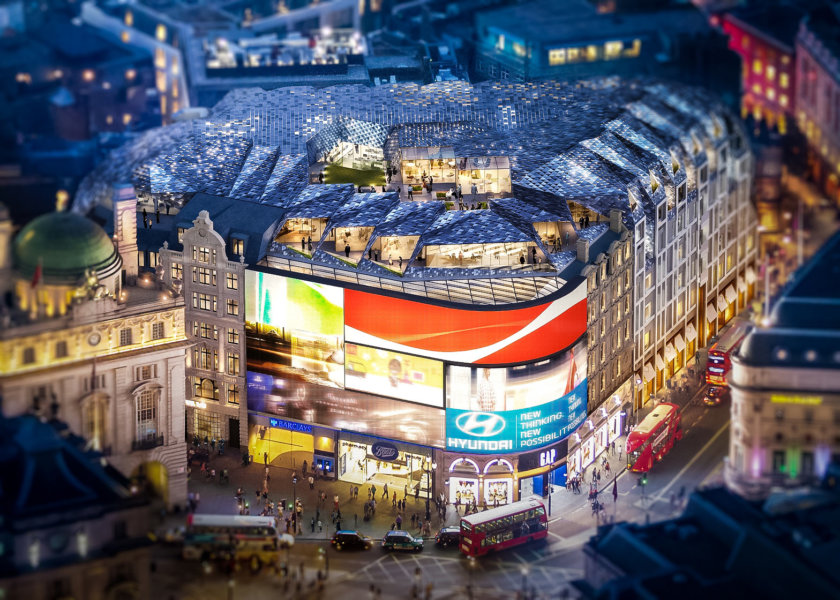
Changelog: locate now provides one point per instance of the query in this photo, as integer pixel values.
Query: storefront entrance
(280, 445)
(365, 460)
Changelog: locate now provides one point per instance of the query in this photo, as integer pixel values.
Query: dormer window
(237, 246)
(654, 183)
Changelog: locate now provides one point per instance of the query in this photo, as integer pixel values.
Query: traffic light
(644, 479)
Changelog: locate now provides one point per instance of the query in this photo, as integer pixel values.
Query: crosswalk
(545, 566)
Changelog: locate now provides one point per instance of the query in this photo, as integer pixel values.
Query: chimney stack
(582, 247)
(615, 220)
(125, 229)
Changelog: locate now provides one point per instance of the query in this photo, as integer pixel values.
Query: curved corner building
(479, 353)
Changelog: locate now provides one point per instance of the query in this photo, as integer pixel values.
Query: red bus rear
(719, 363)
(503, 527)
(651, 439)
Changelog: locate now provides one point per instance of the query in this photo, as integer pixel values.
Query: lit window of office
(613, 50)
(757, 66)
(557, 56)
(771, 73)
(784, 80)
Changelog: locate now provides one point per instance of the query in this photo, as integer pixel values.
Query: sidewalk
(218, 498)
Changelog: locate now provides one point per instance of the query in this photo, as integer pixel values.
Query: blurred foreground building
(785, 383)
(71, 527)
(717, 548)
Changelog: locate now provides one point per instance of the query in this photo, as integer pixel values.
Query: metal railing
(147, 443)
(487, 288)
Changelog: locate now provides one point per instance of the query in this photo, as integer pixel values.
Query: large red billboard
(466, 335)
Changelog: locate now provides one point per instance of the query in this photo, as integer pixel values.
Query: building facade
(818, 95)
(785, 381)
(764, 38)
(459, 344)
(106, 356)
(213, 288)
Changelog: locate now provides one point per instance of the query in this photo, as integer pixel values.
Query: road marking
(664, 490)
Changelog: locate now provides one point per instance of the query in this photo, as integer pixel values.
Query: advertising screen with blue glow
(515, 409)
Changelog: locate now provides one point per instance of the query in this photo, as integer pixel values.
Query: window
(647, 339)
(648, 310)
(771, 72)
(203, 254)
(147, 415)
(757, 66)
(238, 246)
(180, 235)
(204, 276)
(28, 356)
(61, 349)
(557, 57)
(204, 301)
(206, 331)
(146, 372)
(158, 331)
(177, 271)
(784, 80)
(205, 388)
(125, 337)
(232, 281)
(778, 461)
(233, 394)
(232, 307)
(204, 358)
(233, 336)
(233, 363)
(613, 50)
(98, 383)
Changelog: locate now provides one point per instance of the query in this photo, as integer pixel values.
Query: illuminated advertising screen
(295, 396)
(504, 335)
(513, 409)
(295, 327)
(393, 374)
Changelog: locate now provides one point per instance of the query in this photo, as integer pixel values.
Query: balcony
(147, 443)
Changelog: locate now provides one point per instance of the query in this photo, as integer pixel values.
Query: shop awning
(660, 364)
(711, 313)
(690, 332)
(750, 275)
(648, 373)
(679, 342)
(721, 303)
(731, 295)
(742, 285)
(670, 353)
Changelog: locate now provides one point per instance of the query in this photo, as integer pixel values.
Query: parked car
(715, 395)
(448, 536)
(401, 540)
(350, 540)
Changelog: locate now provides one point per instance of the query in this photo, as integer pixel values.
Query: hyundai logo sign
(384, 451)
(480, 424)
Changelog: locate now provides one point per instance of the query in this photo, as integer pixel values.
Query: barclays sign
(384, 451)
(516, 430)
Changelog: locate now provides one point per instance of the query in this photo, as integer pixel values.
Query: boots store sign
(515, 430)
(384, 451)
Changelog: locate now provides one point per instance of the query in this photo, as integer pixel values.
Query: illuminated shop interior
(488, 256)
(296, 230)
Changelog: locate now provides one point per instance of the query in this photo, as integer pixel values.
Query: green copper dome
(66, 244)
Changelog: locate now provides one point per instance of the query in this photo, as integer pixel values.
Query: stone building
(106, 355)
(213, 289)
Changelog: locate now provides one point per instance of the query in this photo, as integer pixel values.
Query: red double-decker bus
(503, 527)
(719, 363)
(651, 439)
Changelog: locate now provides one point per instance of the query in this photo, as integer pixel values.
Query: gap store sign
(516, 430)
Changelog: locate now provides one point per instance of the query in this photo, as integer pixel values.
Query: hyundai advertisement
(512, 409)
(515, 430)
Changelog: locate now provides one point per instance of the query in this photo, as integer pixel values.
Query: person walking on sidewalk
(311, 482)
(385, 491)
(399, 521)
